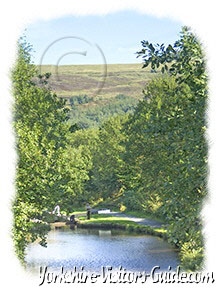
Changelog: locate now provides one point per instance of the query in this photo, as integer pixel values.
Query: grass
(100, 218)
(79, 212)
(112, 222)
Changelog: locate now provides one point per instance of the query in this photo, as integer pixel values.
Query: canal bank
(117, 220)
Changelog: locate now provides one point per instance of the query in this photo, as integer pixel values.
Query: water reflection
(105, 233)
(96, 248)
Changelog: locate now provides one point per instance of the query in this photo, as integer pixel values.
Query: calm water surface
(96, 248)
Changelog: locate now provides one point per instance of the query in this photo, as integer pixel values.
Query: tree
(79, 155)
(107, 157)
(40, 122)
(166, 150)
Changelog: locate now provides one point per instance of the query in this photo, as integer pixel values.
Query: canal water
(96, 248)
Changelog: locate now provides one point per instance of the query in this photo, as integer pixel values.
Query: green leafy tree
(107, 157)
(79, 155)
(40, 122)
(166, 151)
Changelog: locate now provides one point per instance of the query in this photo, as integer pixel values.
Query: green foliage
(48, 217)
(166, 151)
(80, 99)
(107, 160)
(24, 229)
(192, 256)
(130, 199)
(184, 59)
(40, 122)
(79, 155)
(88, 116)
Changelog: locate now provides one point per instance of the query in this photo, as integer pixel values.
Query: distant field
(122, 89)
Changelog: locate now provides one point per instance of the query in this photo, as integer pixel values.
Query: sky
(112, 38)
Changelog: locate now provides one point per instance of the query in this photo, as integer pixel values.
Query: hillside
(79, 85)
